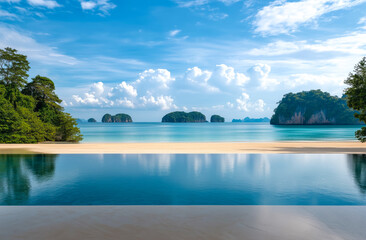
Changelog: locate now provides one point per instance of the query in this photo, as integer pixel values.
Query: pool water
(183, 179)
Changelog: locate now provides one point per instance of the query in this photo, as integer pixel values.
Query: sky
(235, 58)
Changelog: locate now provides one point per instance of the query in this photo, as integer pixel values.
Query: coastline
(343, 147)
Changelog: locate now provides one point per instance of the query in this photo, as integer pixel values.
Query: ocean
(213, 132)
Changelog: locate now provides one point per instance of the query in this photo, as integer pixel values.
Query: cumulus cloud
(44, 3)
(161, 102)
(103, 6)
(155, 80)
(259, 75)
(283, 17)
(150, 86)
(222, 78)
(244, 104)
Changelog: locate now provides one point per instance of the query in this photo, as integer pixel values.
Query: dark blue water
(213, 132)
(183, 179)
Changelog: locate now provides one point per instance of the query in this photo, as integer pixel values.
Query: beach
(346, 147)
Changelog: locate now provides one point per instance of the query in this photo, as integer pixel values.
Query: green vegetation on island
(183, 117)
(92, 120)
(217, 118)
(252, 120)
(118, 118)
(356, 95)
(313, 108)
(30, 112)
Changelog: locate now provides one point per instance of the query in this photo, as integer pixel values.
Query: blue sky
(146, 58)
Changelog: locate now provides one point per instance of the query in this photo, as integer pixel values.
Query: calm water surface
(183, 179)
(212, 132)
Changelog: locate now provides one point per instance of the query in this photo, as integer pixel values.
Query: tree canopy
(356, 95)
(30, 112)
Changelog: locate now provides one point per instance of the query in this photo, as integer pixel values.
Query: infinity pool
(183, 179)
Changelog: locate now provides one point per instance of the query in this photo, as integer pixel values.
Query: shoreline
(344, 147)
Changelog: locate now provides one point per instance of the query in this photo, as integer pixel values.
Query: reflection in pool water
(357, 165)
(183, 179)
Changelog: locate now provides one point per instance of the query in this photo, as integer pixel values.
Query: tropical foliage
(30, 112)
(356, 95)
(313, 107)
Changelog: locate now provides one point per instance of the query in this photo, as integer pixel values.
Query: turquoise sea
(212, 132)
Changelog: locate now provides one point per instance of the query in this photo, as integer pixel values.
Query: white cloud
(8, 15)
(351, 43)
(103, 6)
(35, 51)
(97, 88)
(283, 17)
(151, 84)
(155, 79)
(198, 78)
(226, 75)
(88, 5)
(123, 87)
(259, 76)
(362, 20)
(161, 102)
(193, 3)
(175, 32)
(244, 104)
(44, 3)
(222, 78)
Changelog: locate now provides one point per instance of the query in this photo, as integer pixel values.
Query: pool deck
(212, 147)
(183, 222)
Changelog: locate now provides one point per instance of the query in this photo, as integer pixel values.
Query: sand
(221, 147)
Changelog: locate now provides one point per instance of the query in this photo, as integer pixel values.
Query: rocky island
(92, 120)
(118, 118)
(217, 118)
(184, 117)
(313, 108)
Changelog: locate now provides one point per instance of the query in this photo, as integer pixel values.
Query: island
(118, 118)
(183, 117)
(217, 118)
(253, 120)
(92, 120)
(313, 107)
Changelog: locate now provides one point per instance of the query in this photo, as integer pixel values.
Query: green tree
(356, 95)
(42, 89)
(68, 130)
(14, 69)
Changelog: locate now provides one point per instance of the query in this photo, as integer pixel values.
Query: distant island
(31, 112)
(92, 120)
(118, 118)
(313, 108)
(183, 117)
(252, 120)
(217, 118)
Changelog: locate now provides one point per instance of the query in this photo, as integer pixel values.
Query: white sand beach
(191, 147)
